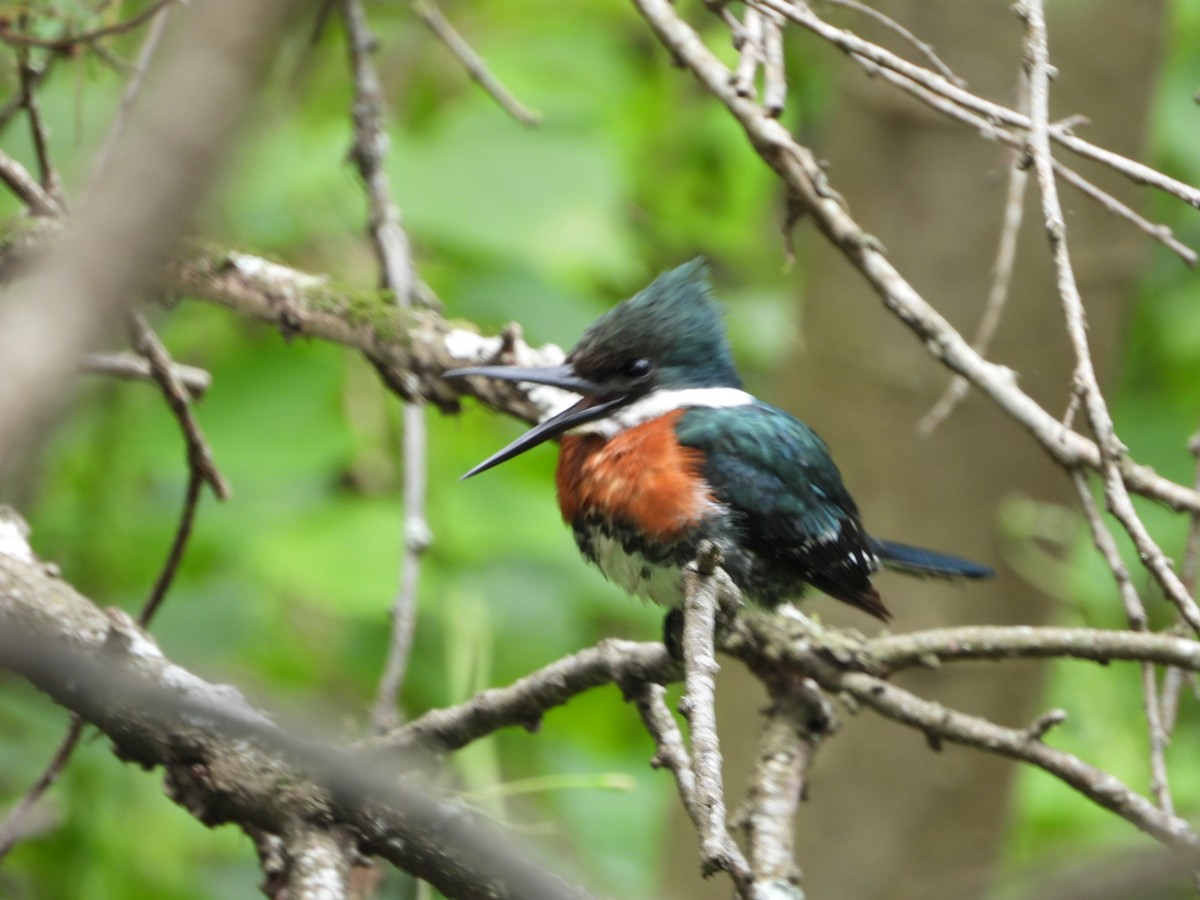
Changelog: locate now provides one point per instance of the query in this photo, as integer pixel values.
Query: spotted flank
(659, 581)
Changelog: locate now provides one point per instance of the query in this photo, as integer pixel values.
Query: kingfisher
(665, 449)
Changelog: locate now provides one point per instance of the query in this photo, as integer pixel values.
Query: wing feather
(786, 495)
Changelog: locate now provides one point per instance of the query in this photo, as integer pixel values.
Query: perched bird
(665, 449)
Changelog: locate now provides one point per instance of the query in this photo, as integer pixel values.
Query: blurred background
(286, 587)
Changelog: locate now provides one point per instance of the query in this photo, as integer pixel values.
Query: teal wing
(786, 497)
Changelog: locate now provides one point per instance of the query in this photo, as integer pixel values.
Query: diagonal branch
(524, 702)
(437, 23)
(1087, 386)
(799, 170)
(941, 723)
(226, 761)
(859, 50)
(842, 665)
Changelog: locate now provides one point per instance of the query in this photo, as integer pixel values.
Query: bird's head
(669, 337)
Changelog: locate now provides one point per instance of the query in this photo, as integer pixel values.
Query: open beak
(590, 408)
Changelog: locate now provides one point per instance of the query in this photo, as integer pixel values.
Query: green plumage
(791, 521)
(675, 322)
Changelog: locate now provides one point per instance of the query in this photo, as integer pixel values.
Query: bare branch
(670, 752)
(1099, 786)
(752, 55)
(254, 773)
(922, 47)
(798, 720)
(800, 172)
(369, 153)
(1112, 451)
(50, 179)
(860, 49)
(992, 130)
(194, 380)
(432, 16)
(115, 247)
(170, 566)
(1135, 613)
(774, 72)
(524, 702)
(703, 586)
(133, 87)
(1157, 231)
(1002, 270)
(15, 103)
(199, 454)
(69, 41)
(26, 187)
(995, 642)
(394, 252)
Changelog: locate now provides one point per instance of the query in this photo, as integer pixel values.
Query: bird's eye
(639, 369)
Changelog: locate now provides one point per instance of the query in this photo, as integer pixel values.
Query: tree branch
(798, 169)
(398, 275)
(524, 702)
(226, 761)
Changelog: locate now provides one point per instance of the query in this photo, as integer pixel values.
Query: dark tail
(918, 561)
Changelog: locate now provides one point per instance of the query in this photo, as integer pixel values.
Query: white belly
(660, 583)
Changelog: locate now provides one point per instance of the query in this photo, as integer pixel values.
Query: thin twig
(922, 47)
(16, 103)
(10, 828)
(752, 55)
(941, 723)
(199, 454)
(431, 15)
(860, 50)
(1036, 58)
(1175, 679)
(202, 468)
(133, 87)
(69, 41)
(1002, 270)
(1156, 230)
(397, 274)
(991, 129)
(183, 531)
(848, 666)
(195, 381)
(670, 752)
(1135, 614)
(524, 702)
(50, 179)
(369, 154)
(796, 723)
(774, 71)
(26, 187)
(892, 653)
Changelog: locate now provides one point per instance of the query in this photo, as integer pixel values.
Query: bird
(665, 450)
